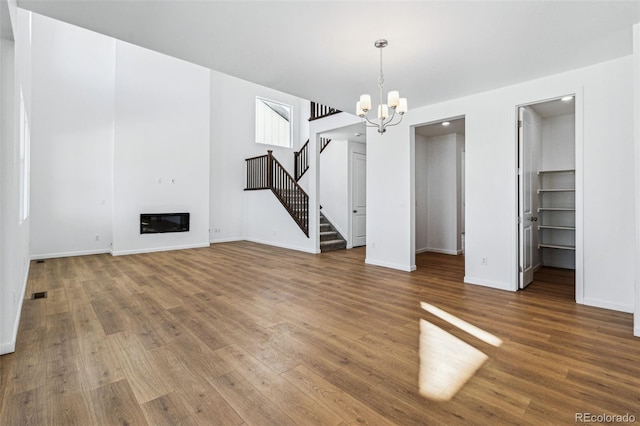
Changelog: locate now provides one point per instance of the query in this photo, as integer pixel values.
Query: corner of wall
(9, 346)
(636, 136)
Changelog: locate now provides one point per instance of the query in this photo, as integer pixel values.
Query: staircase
(330, 238)
(266, 172)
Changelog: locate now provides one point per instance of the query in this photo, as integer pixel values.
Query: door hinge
(519, 123)
(520, 269)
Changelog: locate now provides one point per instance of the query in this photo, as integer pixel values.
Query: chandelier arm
(370, 122)
(393, 114)
(395, 124)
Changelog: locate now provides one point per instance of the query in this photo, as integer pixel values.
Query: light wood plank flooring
(242, 333)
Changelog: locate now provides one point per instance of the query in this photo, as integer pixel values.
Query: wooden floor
(241, 333)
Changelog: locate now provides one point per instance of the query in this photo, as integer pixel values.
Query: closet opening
(546, 165)
(439, 193)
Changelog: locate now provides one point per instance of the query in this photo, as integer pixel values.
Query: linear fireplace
(158, 223)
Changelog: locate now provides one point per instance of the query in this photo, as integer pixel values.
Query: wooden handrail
(301, 161)
(293, 198)
(301, 158)
(257, 173)
(323, 143)
(321, 111)
(266, 172)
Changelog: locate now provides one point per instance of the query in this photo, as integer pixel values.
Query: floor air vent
(39, 295)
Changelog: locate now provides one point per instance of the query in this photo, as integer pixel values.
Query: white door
(526, 195)
(359, 199)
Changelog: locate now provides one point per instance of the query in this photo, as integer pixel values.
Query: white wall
(421, 193)
(110, 121)
(438, 194)
(72, 140)
(316, 129)
(390, 216)
(636, 126)
(14, 232)
(233, 210)
(334, 185)
(114, 119)
(558, 142)
(604, 163)
(279, 230)
(460, 191)
(161, 160)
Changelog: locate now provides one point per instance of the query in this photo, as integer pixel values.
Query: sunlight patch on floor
(463, 325)
(447, 362)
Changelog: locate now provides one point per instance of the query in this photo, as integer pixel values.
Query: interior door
(359, 199)
(526, 194)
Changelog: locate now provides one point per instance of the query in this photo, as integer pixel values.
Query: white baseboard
(608, 305)
(406, 268)
(488, 283)
(10, 346)
(69, 254)
(437, 250)
(286, 246)
(225, 240)
(636, 331)
(158, 249)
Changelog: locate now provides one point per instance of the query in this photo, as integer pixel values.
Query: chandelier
(394, 102)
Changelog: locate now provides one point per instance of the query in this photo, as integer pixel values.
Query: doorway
(342, 188)
(439, 187)
(358, 195)
(546, 192)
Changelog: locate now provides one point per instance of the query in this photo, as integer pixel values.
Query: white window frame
(267, 130)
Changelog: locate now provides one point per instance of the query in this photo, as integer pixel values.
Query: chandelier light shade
(395, 103)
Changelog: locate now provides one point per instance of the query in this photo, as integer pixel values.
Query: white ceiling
(323, 50)
(437, 129)
(354, 132)
(555, 108)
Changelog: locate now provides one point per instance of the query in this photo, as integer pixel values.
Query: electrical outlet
(484, 261)
(97, 237)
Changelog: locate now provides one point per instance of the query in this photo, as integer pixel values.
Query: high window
(273, 123)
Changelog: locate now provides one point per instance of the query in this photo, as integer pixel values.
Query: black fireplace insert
(158, 223)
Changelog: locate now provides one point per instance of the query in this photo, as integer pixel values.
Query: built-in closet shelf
(541, 172)
(556, 246)
(556, 204)
(540, 191)
(562, 228)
